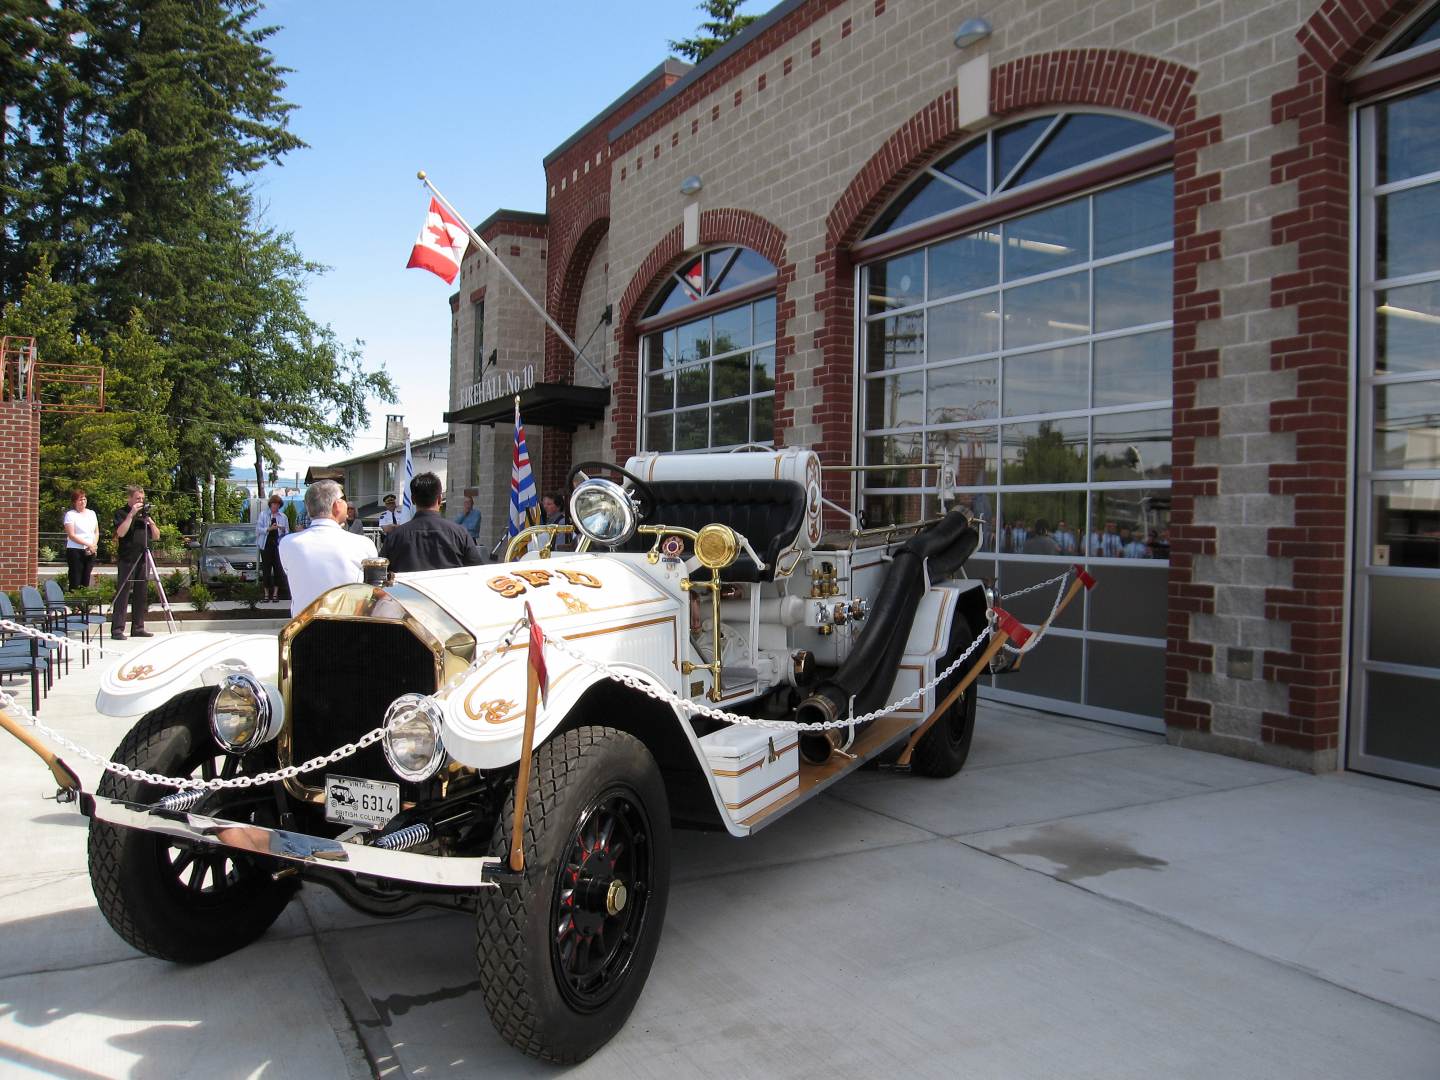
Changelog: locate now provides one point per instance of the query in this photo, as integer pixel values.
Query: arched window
(1029, 355)
(708, 356)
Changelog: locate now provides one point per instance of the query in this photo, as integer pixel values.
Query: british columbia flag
(524, 503)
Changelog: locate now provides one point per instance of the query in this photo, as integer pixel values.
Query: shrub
(225, 584)
(105, 588)
(199, 597)
(48, 553)
(249, 594)
(175, 581)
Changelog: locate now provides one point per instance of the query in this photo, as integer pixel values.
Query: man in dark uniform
(429, 541)
(134, 529)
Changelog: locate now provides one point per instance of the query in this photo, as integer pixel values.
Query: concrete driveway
(1080, 901)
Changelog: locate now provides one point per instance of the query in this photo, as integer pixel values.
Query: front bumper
(433, 871)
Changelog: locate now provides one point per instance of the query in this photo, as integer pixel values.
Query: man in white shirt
(390, 517)
(324, 555)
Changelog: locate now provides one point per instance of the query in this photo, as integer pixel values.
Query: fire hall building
(1161, 278)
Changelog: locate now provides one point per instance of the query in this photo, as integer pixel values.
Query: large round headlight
(602, 511)
(240, 714)
(412, 742)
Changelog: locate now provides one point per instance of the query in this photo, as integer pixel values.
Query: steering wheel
(637, 488)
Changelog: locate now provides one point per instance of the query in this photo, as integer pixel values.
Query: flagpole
(503, 268)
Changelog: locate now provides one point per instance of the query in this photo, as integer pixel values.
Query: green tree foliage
(130, 130)
(724, 23)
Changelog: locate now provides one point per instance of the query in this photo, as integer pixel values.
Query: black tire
(942, 751)
(550, 991)
(174, 901)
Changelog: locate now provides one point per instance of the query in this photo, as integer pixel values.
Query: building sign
(500, 384)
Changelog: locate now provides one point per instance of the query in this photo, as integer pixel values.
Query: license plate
(353, 801)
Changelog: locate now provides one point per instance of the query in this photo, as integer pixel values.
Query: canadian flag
(441, 243)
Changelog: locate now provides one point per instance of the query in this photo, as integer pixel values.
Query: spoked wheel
(564, 956)
(942, 751)
(169, 898)
(601, 893)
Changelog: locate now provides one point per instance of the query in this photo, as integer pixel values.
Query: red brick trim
(727, 226)
(1336, 38)
(19, 485)
(1103, 78)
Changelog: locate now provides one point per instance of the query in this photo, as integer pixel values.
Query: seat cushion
(768, 513)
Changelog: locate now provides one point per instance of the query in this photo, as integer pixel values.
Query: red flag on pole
(536, 656)
(441, 243)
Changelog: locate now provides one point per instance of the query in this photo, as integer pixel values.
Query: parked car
(226, 552)
(702, 582)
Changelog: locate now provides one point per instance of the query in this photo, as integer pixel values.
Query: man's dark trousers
(131, 576)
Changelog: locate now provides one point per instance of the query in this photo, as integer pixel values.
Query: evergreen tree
(724, 23)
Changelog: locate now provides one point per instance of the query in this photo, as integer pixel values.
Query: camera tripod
(149, 572)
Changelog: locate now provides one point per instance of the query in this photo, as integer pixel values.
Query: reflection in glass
(962, 392)
(1407, 521)
(1404, 621)
(1044, 452)
(1056, 380)
(1058, 677)
(1047, 240)
(748, 266)
(897, 282)
(1135, 601)
(694, 340)
(1086, 137)
(970, 450)
(1132, 523)
(660, 392)
(1129, 370)
(732, 377)
(1142, 690)
(895, 401)
(968, 166)
(764, 369)
(1409, 141)
(1133, 446)
(731, 424)
(904, 449)
(1135, 215)
(896, 342)
(1407, 328)
(762, 423)
(1407, 224)
(1133, 293)
(964, 264)
(893, 509)
(692, 429)
(1399, 718)
(1033, 608)
(1407, 426)
(1048, 310)
(964, 328)
(693, 385)
(1027, 518)
(660, 432)
(732, 330)
(764, 319)
(922, 201)
(1014, 142)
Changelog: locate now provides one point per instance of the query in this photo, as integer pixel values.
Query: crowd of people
(1020, 537)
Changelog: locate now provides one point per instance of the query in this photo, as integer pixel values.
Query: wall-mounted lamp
(691, 185)
(971, 31)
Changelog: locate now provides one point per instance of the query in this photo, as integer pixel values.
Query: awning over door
(553, 405)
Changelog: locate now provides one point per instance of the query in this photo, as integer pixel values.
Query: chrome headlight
(240, 714)
(216, 564)
(603, 511)
(412, 742)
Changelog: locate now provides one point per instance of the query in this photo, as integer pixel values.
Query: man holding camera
(134, 529)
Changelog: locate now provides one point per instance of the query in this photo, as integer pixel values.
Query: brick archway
(724, 226)
(1144, 86)
(1332, 42)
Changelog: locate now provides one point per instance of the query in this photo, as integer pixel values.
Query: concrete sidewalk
(1080, 901)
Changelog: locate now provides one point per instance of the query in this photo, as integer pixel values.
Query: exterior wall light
(691, 185)
(971, 31)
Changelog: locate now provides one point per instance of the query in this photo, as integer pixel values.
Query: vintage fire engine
(713, 657)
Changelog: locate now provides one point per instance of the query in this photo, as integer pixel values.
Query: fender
(148, 677)
(930, 639)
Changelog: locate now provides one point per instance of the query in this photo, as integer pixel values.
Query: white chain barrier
(684, 706)
(1064, 580)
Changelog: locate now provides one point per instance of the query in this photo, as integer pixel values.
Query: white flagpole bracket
(550, 322)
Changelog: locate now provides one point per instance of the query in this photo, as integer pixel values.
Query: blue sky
(476, 93)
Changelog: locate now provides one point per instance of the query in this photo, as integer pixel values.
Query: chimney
(394, 431)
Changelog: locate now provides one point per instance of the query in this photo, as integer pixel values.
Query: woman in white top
(82, 534)
(270, 529)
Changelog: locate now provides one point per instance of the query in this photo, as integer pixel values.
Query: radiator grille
(343, 676)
